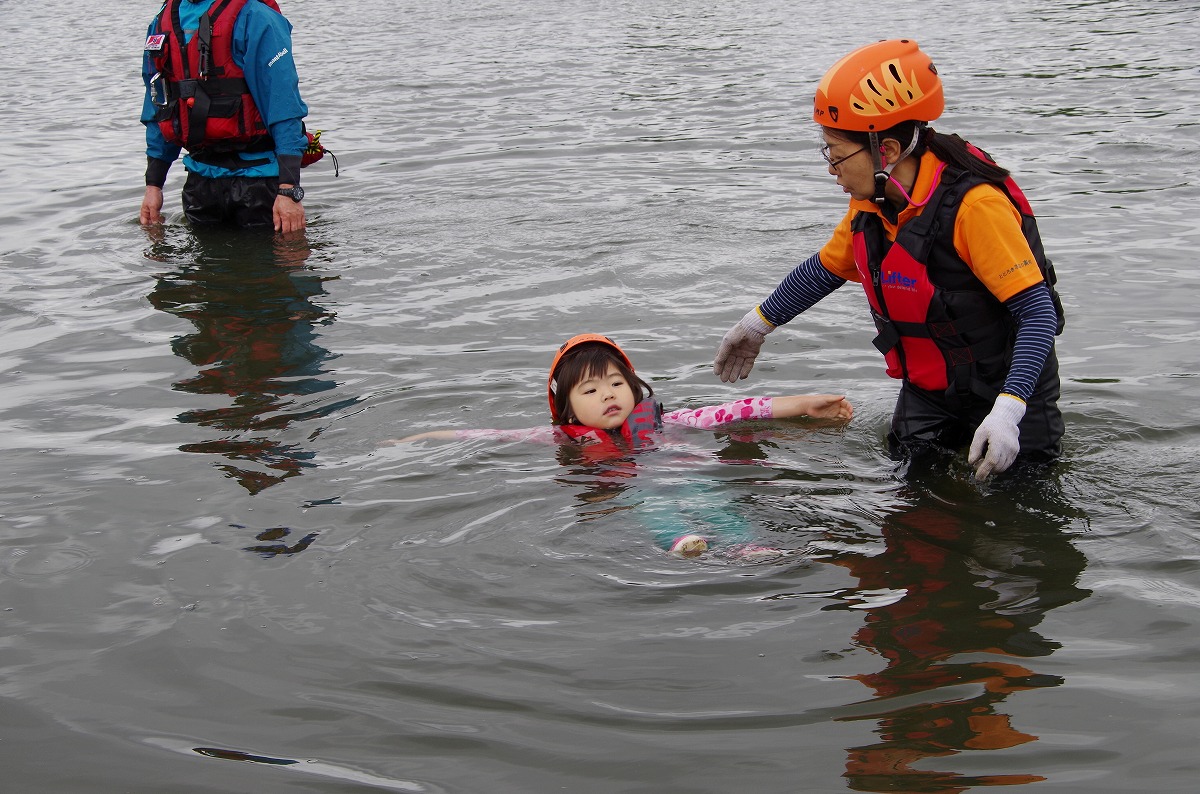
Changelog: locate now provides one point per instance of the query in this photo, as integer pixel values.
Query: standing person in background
(948, 252)
(221, 83)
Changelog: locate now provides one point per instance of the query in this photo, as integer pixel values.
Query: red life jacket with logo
(939, 326)
(204, 103)
(636, 433)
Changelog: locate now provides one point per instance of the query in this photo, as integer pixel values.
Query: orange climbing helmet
(567, 347)
(878, 86)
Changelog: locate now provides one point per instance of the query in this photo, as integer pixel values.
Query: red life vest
(204, 103)
(636, 433)
(939, 326)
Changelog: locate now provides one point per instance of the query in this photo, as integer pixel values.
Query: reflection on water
(251, 299)
(950, 585)
(274, 542)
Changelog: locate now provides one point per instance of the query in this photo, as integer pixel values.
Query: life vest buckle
(158, 91)
(888, 336)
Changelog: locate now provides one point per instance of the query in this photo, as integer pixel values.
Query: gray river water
(217, 575)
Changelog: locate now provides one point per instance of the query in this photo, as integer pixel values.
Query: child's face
(602, 402)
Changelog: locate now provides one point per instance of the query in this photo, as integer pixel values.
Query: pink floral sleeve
(714, 415)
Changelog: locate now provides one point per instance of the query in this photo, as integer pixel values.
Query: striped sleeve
(1037, 320)
(799, 291)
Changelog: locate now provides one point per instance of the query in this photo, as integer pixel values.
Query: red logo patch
(155, 43)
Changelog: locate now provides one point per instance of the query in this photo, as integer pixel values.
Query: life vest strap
(197, 109)
(216, 86)
(196, 96)
(891, 331)
(889, 335)
(966, 384)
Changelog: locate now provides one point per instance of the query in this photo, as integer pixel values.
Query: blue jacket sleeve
(262, 47)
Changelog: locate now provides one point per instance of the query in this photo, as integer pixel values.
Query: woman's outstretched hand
(740, 346)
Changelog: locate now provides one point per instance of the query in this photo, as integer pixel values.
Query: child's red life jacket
(636, 433)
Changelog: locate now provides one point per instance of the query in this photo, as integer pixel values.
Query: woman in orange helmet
(949, 255)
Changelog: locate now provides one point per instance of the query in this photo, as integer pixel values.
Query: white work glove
(999, 434)
(740, 346)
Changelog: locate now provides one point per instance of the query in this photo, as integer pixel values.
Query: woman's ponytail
(952, 149)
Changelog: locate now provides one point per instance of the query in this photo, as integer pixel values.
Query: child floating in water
(598, 401)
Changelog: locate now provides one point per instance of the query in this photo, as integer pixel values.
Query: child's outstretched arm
(543, 435)
(445, 435)
(818, 406)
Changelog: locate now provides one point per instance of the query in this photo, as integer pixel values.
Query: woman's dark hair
(950, 149)
(591, 360)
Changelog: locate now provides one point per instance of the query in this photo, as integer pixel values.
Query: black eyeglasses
(840, 160)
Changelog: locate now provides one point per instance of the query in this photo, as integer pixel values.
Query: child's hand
(445, 435)
(819, 406)
(830, 406)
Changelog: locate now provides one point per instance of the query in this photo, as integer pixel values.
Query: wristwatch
(294, 193)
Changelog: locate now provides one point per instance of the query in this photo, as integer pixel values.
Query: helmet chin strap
(882, 173)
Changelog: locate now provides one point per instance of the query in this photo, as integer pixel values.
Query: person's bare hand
(152, 203)
(288, 215)
(834, 407)
(830, 406)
